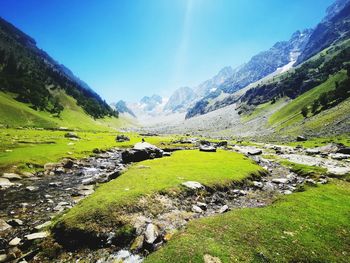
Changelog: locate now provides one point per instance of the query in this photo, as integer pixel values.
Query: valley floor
(246, 202)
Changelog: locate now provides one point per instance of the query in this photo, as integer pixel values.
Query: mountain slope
(121, 107)
(180, 100)
(34, 76)
(334, 27)
(280, 57)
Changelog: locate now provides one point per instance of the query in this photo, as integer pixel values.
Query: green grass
(17, 114)
(162, 175)
(304, 170)
(310, 226)
(321, 141)
(263, 109)
(291, 113)
(21, 149)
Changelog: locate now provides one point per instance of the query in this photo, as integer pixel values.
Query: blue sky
(125, 49)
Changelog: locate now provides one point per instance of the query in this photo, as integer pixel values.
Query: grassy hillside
(17, 114)
(291, 113)
(311, 226)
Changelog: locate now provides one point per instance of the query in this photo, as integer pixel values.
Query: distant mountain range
(220, 90)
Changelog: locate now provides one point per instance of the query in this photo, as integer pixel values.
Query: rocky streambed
(28, 205)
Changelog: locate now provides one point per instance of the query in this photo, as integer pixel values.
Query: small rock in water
(193, 185)
(55, 184)
(223, 209)
(39, 235)
(32, 188)
(151, 233)
(15, 241)
(46, 224)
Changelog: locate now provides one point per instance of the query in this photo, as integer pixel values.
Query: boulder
(221, 144)
(141, 151)
(193, 185)
(301, 138)
(5, 183)
(151, 233)
(12, 176)
(207, 148)
(345, 150)
(339, 156)
(122, 138)
(254, 151)
(71, 135)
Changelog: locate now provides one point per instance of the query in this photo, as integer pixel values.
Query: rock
(50, 166)
(55, 184)
(222, 144)
(43, 225)
(338, 170)
(5, 183)
(301, 138)
(27, 174)
(310, 181)
(280, 180)
(141, 151)
(203, 206)
(3, 258)
(223, 209)
(122, 138)
(12, 176)
(312, 151)
(287, 192)
(322, 181)
(39, 235)
(197, 209)
(166, 154)
(15, 222)
(15, 241)
(4, 226)
(339, 156)
(193, 185)
(254, 151)
(207, 148)
(68, 164)
(71, 135)
(151, 233)
(204, 142)
(345, 150)
(32, 188)
(258, 184)
(137, 244)
(210, 259)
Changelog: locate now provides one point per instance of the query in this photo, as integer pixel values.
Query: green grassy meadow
(160, 175)
(310, 226)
